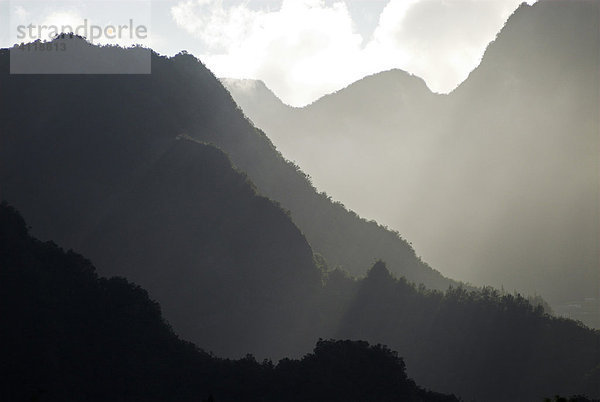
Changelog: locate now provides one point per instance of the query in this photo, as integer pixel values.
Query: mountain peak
(386, 87)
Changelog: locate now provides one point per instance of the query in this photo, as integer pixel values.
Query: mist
(495, 183)
(225, 249)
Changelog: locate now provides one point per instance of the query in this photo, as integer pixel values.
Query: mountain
(68, 334)
(257, 100)
(151, 177)
(479, 344)
(105, 172)
(96, 135)
(495, 183)
(230, 268)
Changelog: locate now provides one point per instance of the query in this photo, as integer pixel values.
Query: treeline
(479, 179)
(69, 335)
(481, 344)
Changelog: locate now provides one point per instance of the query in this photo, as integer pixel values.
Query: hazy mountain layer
(481, 345)
(105, 164)
(101, 170)
(495, 183)
(69, 335)
(232, 271)
(93, 136)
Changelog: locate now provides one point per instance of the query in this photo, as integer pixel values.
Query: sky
(301, 49)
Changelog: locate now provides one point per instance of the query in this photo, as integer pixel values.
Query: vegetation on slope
(69, 335)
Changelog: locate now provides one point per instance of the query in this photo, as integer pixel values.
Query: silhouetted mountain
(107, 164)
(231, 270)
(68, 334)
(481, 344)
(100, 169)
(495, 183)
(106, 170)
(88, 154)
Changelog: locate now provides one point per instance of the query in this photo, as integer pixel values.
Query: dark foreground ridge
(69, 335)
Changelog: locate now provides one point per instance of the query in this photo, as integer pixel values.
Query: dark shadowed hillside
(84, 121)
(495, 183)
(103, 168)
(231, 270)
(481, 344)
(68, 334)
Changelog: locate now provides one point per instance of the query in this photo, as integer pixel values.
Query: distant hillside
(495, 183)
(481, 344)
(94, 137)
(257, 100)
(68, 334)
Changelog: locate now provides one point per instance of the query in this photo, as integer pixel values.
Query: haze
(495, 183)
(302, 49)
(220, 242)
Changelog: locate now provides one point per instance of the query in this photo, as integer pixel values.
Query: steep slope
(495, 183)
(68, 334)
(102, 171)
(231, 270)
(258, 101)
(351, 136)
(101, 133)
(542, 128)
(481, 345)
(111, 168)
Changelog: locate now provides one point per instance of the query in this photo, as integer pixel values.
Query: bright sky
(302, 49)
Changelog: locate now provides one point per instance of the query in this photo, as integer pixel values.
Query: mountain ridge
(69, 334)
(481, 179)
(249, 149)
(231, 268)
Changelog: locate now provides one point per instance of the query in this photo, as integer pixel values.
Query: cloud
(441, 41)
(20, 13)
(68, 18)
(301, 50)
(218, 27)
(308, 48)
